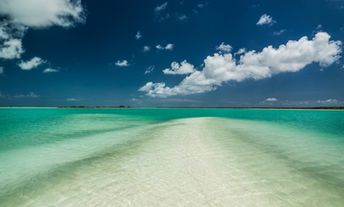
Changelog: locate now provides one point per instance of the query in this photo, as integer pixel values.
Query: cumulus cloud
(11, 40)
(11, 49)
(3, 31)
(218, 69)
(179, 69)
(224, 48)
(149, 69)
(198, 7)
(240, 51)
(146, 48)
(161, 7)
(122, 63)
(9, 30)
(42, 13)
(157, 90)
(138, 35)
(201, 5)
(20, 15)
(182, 17)
(265, 19)
(168, 46)
(31, 64)
(50, 70)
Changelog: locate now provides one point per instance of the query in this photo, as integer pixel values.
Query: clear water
(162, 157)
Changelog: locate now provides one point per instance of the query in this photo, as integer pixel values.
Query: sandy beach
(184, 163)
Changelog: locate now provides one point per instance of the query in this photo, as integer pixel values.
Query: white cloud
(50, 70)
(221, 68)
(29, 95)
(72, 99)
(4, 31)
(179, 69)
(19, 15)
(162, 18)
(11, 40)
(1, 70)
(149, 69)
(161, 7)
(146, 48)
(160, 12)
(157, 90)
(168, 46)
(200, 5)
(11, 49)
(182, 17)
(224, 48)
(138, 35)
(328, 101)
(265, 19)
(122, 63)
(240, 51)
(271, 99)
(31, 64)
(11, 31)
(43, 13)
(277, 33)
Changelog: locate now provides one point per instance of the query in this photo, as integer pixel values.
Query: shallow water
(171, 157)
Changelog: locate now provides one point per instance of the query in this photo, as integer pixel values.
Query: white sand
(183, 163)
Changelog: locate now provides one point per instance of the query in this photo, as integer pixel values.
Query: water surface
(154, 157)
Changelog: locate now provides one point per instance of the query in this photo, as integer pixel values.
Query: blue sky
(171, 53)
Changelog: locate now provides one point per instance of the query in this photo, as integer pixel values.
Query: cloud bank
(218, 69)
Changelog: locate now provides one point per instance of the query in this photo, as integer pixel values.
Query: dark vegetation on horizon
(186, 107)
(234, 107)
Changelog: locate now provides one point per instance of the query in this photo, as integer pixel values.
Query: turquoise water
(47, 151)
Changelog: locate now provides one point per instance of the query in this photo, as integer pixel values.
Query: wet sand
(186, 162)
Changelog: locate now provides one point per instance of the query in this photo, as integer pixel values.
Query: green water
(45, 147)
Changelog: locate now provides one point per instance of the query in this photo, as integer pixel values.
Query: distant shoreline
(184, 107)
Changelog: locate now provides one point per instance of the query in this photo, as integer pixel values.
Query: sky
(171, 53)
